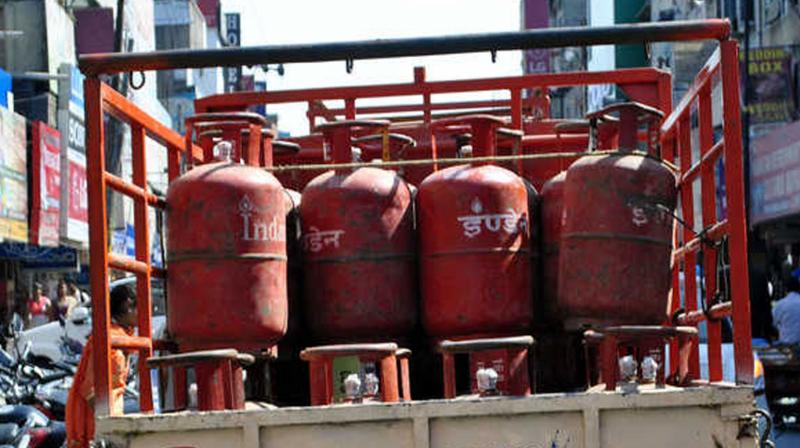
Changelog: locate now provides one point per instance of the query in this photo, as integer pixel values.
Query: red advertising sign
(209, 8)
(45, 185)
(775, 174)
(78, 202)
(536, 14)
(770, 85)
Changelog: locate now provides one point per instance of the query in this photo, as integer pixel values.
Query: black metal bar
(104, 63)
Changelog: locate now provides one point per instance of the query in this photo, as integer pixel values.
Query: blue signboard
(76, 90)
(5, 87)
(40, 258)
(123, 241)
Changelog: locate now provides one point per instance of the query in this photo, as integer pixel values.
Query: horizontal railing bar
(715, 312)
(710, 156)
(714, 233)
(240, 99)
(123, 109)
(133, 191)
(449, 161)
(128, 264)
(706, 75)
(393, 108)
(131, 343)
(679, 30)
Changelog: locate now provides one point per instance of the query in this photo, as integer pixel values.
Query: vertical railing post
(668, 144)
(737, 219)
(142, 232)
(664, 86)
(687, 208)
(709, 208)
(350, 108)
(174, 162)
(419, 80)
(98, 244)
(516, 122)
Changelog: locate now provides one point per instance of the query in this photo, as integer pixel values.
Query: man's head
(123, 306)
(62, 289)
(791, 283)
(37, 290)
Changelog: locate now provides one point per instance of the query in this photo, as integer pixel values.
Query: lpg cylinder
(385, 147)
(616, 240)
(227, 254)
(552, 207)
(358, 244)
(291, 344)
(600, 134)
(474, 244)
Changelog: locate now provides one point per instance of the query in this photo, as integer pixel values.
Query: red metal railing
(676, 136)
(646, 85)
(100, 100)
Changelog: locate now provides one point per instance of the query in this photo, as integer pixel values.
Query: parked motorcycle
(23, 426)
(60, 341)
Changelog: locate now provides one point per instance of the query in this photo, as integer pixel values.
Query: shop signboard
(535, 14)
(45, 185)
(13, 177)
(770, 86)
(210, 9)
(233, 36)
(775, 174)
(39, 258)
(74, 215)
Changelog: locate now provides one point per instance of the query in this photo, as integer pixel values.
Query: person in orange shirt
(80, 401)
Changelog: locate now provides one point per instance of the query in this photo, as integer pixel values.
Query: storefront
(774, 211)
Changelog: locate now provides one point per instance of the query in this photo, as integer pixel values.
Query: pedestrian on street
(80, 402)
(65, 303)
(39, 307)
(80, 296)
(786, 312)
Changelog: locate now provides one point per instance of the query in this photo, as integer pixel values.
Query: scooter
(23, 426)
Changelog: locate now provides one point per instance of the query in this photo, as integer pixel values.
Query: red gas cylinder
(600, 135)
(234, 127)
(552, 207)
(385, 147)
(474, 245)
(617, 236)
(358, 243)
(310, 154)
(227, 256)
(445, 142)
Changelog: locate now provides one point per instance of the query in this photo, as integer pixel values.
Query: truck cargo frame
(722, 405)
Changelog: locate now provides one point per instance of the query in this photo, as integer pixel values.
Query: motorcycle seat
(8, 432)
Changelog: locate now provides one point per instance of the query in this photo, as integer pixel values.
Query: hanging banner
(74, 211)
(233, 36)
(13, 177)
(31, 257)
(535, 15)
(45, 184)
(775, 174)
(770, 85)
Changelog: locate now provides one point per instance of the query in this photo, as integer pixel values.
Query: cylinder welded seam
(265, 256)
(551, 248)
(492, 250)
(615, 236)
(361, 257)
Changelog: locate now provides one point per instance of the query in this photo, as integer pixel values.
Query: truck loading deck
(694, 138)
